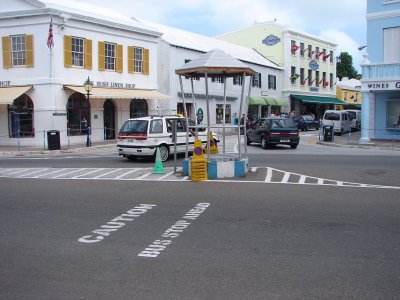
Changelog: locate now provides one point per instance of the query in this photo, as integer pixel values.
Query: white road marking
(127, 173)
(46, 174)
(64, 174)
(91, 172)
(285, 178)
(269, 175)
(34, 172)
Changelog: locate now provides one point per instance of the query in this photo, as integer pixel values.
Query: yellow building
(349, 91)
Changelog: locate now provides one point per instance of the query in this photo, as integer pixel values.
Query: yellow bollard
(198, 163)
(213, 145)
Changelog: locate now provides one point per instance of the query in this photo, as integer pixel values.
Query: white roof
(185, 39)
(96, 12)
(349, 84)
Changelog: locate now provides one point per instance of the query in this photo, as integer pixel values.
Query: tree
(344, 67)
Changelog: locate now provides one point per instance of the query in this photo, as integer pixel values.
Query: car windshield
(135, 126)
(332, 116)
(283, 123)
(308, 118)
(352, 114)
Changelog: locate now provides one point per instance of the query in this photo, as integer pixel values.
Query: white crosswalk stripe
(272, 175)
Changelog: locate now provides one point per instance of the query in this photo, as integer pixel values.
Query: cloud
(345, 44)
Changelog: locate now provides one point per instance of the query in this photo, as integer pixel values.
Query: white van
(140, 137)
(340, 120)
(355, 117)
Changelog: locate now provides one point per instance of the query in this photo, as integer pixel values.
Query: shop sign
(5, 83)
(271, 40)
(314, 89)
(383, 85)
(313, 65)
(119, 85)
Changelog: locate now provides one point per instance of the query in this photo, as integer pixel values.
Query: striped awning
(9, 94)
(259, 100)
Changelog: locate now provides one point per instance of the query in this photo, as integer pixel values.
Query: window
(218, 79)
(109, 56)
(324, 79)
(138, 60)
(323, 54)
(138, 108)
(309, 76)
(309, 51)
(156, 126)
(317, 53)
(393, 114)
(77, 52)
(316, 78)
(331, 56)
(331, 80)
(302, 76)
(17, 51)
(78, 114)
(293, 47)
(302, 49)
(293, 75)
(391, 40)
(237, 80)
(220, 113)
(257, 80)
(20, 117)
(271, 82)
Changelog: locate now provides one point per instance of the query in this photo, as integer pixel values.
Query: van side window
(156, 126)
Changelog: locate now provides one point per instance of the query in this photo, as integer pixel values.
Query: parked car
(140, 137)
(355, 117)
(305, 122)
(339, 119)
(273, 131)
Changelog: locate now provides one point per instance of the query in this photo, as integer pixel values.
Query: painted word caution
(116, 223)
(174, 231)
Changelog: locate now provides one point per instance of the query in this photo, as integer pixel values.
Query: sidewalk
(345, 140)
(30, 150)
(352, 140)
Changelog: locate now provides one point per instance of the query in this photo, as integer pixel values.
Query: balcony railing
(379, 71)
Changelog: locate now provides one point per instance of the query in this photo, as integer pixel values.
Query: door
(109, 120)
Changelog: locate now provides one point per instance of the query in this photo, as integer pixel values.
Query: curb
(359, 146)
(52, 152)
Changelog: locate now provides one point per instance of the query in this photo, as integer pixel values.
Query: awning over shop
(105, 93)
(259, 100)
(9, 94)
(319, 100)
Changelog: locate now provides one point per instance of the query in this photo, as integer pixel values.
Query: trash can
(327, 131)
(53, 140)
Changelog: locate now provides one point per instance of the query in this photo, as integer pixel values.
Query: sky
(339, 21)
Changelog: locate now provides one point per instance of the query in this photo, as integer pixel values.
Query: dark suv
(274, 131)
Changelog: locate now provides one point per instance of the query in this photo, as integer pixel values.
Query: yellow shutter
(119, 65)
(102, 63)
(88, 54)
(29, 50)
(131, 62)
(146, 62)
(6, 41)
(67, 51)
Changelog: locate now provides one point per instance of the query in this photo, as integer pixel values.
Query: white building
(42, 89)
(178, 47)
(131, 64)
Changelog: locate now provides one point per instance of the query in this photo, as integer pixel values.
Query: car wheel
(131, 157)
(264, 144)
(164, 152)
(248, 141)
(293, 146)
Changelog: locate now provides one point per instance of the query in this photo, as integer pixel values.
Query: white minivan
(340, 120)
(355, 117)
(140, 137)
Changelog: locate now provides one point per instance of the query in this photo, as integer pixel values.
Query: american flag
(50, 41)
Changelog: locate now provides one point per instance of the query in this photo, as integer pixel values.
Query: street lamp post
(88, 85)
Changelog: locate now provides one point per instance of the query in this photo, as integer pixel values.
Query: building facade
(178, 47)
(49, 51)
(349, 91)
(309, 64)
(381, 72)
